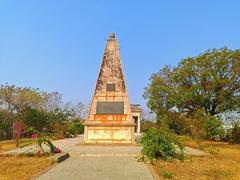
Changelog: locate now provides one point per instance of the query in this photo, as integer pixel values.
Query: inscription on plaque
(111, 87)
(110, 108)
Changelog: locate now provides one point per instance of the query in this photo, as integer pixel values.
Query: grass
(9, 145)
(223, 163)
(14, 168)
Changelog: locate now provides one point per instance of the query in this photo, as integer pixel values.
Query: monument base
(110, 133)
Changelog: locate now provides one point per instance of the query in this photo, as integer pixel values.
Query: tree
(17, 131)
(36, 119)
(209, 82)
(52, 101)
(14, 100)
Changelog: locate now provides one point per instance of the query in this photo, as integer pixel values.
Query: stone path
(97, 162)
(98, 168)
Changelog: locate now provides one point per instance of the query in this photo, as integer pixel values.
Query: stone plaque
(111, 87)
(110, 107)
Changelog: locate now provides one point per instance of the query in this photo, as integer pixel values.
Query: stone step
(79, 154)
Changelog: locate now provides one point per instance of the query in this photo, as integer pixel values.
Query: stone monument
(110, 118)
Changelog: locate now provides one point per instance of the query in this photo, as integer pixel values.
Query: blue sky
(58, 45)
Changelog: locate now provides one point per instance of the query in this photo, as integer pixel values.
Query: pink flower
(34, 136)
(57, 150)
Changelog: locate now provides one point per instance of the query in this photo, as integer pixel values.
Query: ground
(118, 162)
(115, 162)
(223, 162)
(99, 168)
(12, 168)
(11, 144)
(90, 162)
(15, 168)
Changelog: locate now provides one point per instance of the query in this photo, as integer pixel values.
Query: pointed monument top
(112, 35)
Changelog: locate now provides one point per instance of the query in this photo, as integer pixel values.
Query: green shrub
(212, 127)
(168, 175)
(234, 133)
(77, 127)
(161, 143)
(36, 119)
(145, 125)
(29, 154)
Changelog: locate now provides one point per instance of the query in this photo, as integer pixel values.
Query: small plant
(46, 139)
(168, 175)
(56, 150)
(29, 154)
(34, 136)
(161, 143)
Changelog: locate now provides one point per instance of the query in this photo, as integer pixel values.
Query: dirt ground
(15, 168)
(223, 162)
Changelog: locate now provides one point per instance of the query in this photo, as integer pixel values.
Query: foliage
(17, 131)
(209, 82)
(145, 125)
(234, 133)
(168, 175)
(35, 119)
(30, 131)
(161, 143)
(39, 110)
(44, 138)
(213, 127)
(76, 127)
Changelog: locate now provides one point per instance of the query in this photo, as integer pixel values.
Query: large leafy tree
(209, 82)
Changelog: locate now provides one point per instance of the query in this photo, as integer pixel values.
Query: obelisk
(109, 118)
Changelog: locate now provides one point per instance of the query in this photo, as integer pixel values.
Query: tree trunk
(17, 142)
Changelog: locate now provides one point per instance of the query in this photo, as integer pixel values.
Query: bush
(234, 133)
(44, 138)
(168, 175)
(35, 119)
(161, 143)
(30, 131)
(77, 127)
(145, 125)
(212, 127)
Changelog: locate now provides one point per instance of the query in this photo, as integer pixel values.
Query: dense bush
(212, 127)
(37, 110)
(76, 127)
(35, 119)
(233, 135)
(145, 125)
(161, 143)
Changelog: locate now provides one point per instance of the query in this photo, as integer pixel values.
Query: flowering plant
(17, 131)
(56, 150)
(34, 136)
(46, 139)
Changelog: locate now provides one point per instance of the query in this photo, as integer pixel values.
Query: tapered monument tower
(109, 118)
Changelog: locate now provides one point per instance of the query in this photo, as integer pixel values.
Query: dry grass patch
(11, 144)
(15, 168)
(223, 163)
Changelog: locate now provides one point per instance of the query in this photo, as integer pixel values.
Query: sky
(58, 45)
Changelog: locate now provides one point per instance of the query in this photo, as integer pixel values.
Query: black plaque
(110, 108)
(111, 87)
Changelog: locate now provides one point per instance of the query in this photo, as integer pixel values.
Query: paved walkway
(98, 168)
(97, 163)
